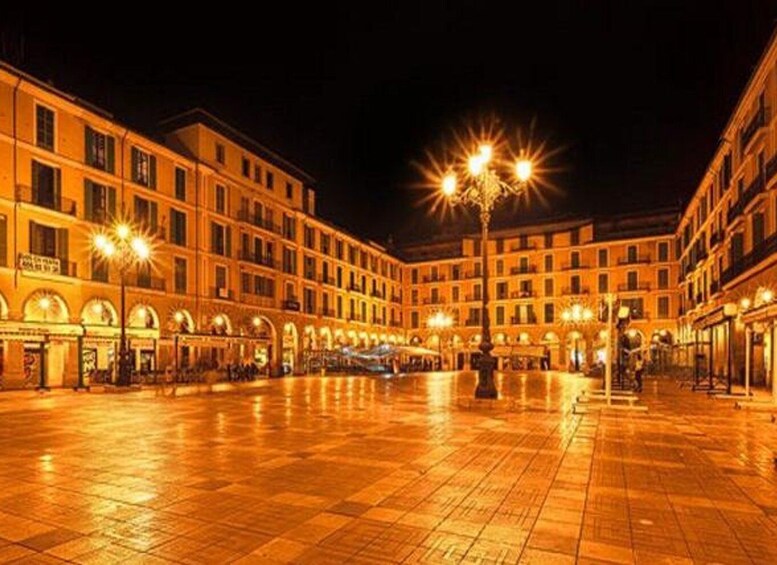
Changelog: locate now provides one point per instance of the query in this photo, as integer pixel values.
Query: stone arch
(340, 338)
(290, 344)
(524, 338)
(3, 307)
(550, 338)
(99, 312)
(326, 338)
(141, 315)
(364, 339)
(181, 321)
(309, 338)
(45, 306)
(500, 338)
(415, 340)
(353, 338)
(432, 341)
(220, 324)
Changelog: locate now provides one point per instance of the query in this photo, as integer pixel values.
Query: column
(13, 374)
(70, 374)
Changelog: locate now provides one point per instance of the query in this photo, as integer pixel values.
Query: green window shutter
(229, 241)
(213, 228)
(152, 171)
(35, 176)
(33, 243)
(4, 241)
(134, 164)
(89, 150)
(88, 204)
(111, 201)
(62, 243)
(110, 152)
(58, 187)
(153, 213)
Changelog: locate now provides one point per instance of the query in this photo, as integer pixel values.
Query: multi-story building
(536, 273)
(241, 266)
(727, 241)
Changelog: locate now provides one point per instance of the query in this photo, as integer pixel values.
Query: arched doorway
(553, 344)
(44, 358)
(143, 342)
(98, 350)
(290, 347)
(576, 348)
(181, 324)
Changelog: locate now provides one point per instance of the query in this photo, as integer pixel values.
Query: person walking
(638, 368)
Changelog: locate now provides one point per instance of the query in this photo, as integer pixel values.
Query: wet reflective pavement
(370, 470)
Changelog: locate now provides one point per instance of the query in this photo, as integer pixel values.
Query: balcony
(523, 294)
(472, 275)
(635, 260)
(45, 199)
(355, 288)
(471, 323)
(396, 299)
(377, 321)
(473, 298)
(251, 257)
(327, 313)
(527, 270)
(763, 250)
(428, 301)
(716, 238)
(31, 262)
(575, 291)
(291, 304)
(756, 123)
(523, 320)
(753, 189)
(221, 293)
(376, 294)
(323, 279)
(574, 266)
(395, 324)
(524, 247)
(639, 287)
(434, 278)
(355, 318)
(257, 221)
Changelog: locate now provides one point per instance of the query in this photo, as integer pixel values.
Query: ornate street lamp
(482, 187)
(123, 246)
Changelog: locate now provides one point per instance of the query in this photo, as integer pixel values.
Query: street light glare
(485, 152)
(523, 170)
(475, 164)
(100, 242)
(123, 231)
(140, 247)
(449, 184)
(44, 303)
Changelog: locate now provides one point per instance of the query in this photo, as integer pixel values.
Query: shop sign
(39, 263)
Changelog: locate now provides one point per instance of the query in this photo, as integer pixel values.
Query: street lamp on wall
(478, 182)
(123, 246)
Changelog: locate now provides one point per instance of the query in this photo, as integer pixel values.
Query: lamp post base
(486, 387)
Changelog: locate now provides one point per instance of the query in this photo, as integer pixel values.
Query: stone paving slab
(372, 470)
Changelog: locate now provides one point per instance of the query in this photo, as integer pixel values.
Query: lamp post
(577, 315)
(439, 321)
(483, 188)
(122, 246)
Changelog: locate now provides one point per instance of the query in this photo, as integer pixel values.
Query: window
(100, 150)
(180, 184)
(414, 320)
(221, 154)
(44, 127)
(663, 278)
(663, 251)
(309, 266)
(177, 227)
(46, 186)
(143, 168)
(663, 306)
(326, 243)
(220, 239)
(635, 307)
(308, 300)
(258, 174)
(523, 241)
(339, 249)
(221, 276)
(3, 240)
(414, 276)
(603, 258)
(548, 287)
(289, 261)
(574, 237)
(289, 227)
(575, 259)
(500, 246)
(145, 213)
(548, 240)
(631, 280)
(221, 199)
(48, 241)
(631, 254)
(549, 313)
(99, 269)
(574, 284)
(455, 294)
(180, 275)
(99, 202)
(758, 228)
(246, 167)
(500, 315)
(500, 267)
(548, 263)
(604, 283)
(310, 237)
(501, 291)
(270, 182)
(289, 191)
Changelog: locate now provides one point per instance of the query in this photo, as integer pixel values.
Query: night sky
(636, 93)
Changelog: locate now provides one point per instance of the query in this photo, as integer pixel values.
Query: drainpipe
(197, 220)
(15, 181)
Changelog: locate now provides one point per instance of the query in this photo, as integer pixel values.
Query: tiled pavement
(367, 470)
